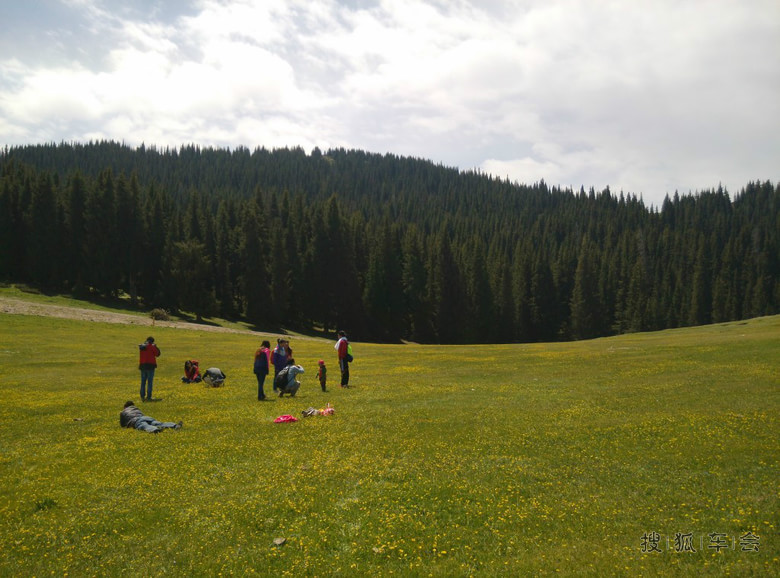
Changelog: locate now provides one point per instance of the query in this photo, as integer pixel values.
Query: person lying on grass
(131, 416)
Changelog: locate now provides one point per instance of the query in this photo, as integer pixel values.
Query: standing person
(262, 366)
(279, 357)
(147, 363)
(131, 416)
(322, 374)
(341, 348)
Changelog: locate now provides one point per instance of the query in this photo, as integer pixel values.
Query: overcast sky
(646, 96)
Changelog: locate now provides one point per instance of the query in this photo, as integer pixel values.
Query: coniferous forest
(385, 247)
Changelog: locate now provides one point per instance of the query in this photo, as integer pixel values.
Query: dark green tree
(480, 312)
(76, 200)
(43, 246)
(191, 269)
(383, 293)
(104, 270)
(448, 295)
(701, 296)
(419, 312)
(255, 281)
(130, 234)
(586, 306)
(227, 261)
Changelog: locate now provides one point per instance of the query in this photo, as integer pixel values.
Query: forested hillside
(383, 246)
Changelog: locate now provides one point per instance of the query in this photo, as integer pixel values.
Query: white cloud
(525, 170)
(647, 96)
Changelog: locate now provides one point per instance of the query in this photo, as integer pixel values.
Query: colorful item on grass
(285, 419)
(311, 411)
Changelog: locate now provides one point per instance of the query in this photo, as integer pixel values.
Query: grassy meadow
(479, 460)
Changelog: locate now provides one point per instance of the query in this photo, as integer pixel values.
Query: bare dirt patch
(20, 307)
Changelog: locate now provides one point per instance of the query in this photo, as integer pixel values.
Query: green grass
(445, 461)
(31, 294)
(108, 304)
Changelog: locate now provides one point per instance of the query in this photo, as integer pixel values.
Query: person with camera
(285, 380)
(149, 352)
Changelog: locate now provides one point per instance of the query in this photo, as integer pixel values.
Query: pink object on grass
(285, 419)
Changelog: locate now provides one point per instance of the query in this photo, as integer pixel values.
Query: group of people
(147, 363)
(281, 359)
(286, 370)
(213, 376)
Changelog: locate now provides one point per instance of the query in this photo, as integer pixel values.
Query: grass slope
(443, 461)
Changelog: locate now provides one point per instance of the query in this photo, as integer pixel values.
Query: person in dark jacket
(147, 363)
(261, 367)
(280, 356)
(131, 416)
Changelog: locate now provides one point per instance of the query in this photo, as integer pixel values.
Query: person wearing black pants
(261, 367)
(342, 348)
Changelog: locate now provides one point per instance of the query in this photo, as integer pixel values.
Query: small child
(322, 374)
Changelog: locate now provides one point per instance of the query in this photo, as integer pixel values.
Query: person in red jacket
(342, 349)
(191, 371)
(147, 363)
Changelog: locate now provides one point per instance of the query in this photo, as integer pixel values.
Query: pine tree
(7, 198)
(76, 226)
(42, 254)
(521, 295)
(448, 298)
(255, 281)
(226, 261)
(701, 294)
(191, 269)
(480, 315)
(586, 308)
(101, 246)
(543, 302)
(154, 247)
(314, 272)
(130, 234)
(383, 293)
(701, 258)
(418, 311)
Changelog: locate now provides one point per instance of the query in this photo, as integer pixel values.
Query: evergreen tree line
(385, 247)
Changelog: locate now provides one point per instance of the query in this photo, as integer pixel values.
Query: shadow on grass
(119, 303)
(124, 303)
(194, 320)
